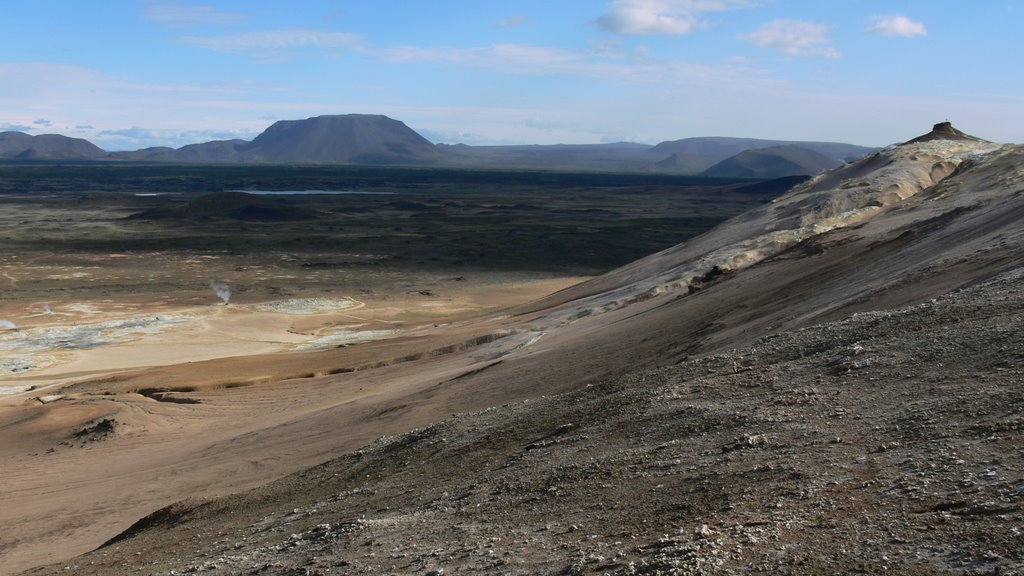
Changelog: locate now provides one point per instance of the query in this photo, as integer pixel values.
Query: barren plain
(827, 382)
(157, 317)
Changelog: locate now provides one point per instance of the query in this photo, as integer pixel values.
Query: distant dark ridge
(772, 162)
(713, 149)
(230, 206)
(376, 140)
(945, 131)
(21, 146)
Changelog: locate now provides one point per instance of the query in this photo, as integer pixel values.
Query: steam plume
(222, 290)
(7, 325)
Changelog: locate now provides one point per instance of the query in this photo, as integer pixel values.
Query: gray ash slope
(887, 442)
(827, 384)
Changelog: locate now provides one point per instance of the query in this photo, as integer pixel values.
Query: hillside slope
(828, 383)
(886, 442)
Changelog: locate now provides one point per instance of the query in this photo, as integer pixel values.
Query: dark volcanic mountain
(21, 146)
(339, 139)
(772, 162)
(343, 139)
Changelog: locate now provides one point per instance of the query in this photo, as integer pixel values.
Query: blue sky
(128, 74)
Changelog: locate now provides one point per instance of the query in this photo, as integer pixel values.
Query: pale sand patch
(346, 337)
(111, 337)
(307, 305)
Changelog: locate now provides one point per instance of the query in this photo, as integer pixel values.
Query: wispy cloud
(672, 17)
(600, 63)
(794, 38)
(182, 15)
(507, 56)
(138, 137)
(276, 44)
(14, 127)
(605, 61)
(512, 22)
(897, 25)
(42, 122)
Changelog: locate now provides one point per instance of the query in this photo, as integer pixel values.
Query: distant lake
(298, 192)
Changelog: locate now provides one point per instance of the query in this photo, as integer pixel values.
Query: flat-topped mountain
(337, 139)
(341, 139)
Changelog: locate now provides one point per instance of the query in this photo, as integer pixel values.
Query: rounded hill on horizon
(772, 162)
(21, 146)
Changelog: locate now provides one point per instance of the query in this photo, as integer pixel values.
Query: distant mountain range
(378, 140)
(21, 146)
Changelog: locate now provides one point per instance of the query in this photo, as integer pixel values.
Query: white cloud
(897, 25)
(673, 17)
(794, 38)
(181, 15)
(275, 43)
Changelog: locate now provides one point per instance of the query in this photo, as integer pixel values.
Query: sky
(129, 74)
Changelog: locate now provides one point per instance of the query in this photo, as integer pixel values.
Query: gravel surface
(885, 442)
(305, 305)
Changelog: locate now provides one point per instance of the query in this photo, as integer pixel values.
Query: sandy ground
(64, 483)
(75, 341)
(885, 443)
